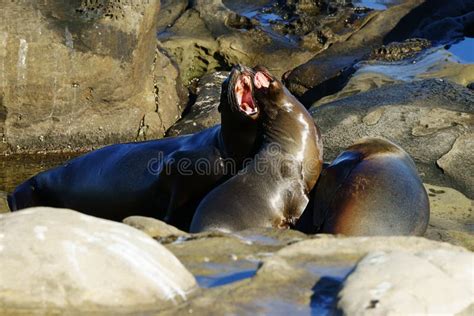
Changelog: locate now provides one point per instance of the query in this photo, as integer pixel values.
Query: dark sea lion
(372, 188)
(272, 190)
(154, 178)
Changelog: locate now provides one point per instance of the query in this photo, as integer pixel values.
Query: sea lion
(158, 178)
(371, 188)
(272, 190)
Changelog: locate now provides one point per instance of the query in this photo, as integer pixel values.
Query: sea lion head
(269, 92)
(237, 94)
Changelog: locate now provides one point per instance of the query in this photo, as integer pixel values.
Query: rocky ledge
(254, 271)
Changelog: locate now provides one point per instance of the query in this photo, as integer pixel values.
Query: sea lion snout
(261, 80)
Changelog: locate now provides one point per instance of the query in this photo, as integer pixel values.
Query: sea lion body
(372, 188)
(154, 178)
(272, 190)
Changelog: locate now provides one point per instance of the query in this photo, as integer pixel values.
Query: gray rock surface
(58, 260)
(170, 11)
(283, 272)
(451, 217)
(401, 283)
(81, 74)
(435, 63)
(327, 72)
(216, 34)
(153, 227)
(424, 117)
(457, 162)
(3, 202)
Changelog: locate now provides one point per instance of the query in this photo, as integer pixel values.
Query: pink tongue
(260, 80)
(247, 98)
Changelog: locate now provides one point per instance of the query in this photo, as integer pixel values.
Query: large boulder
(427, 282)
(424, 117)
(81, 73)
(59, 261)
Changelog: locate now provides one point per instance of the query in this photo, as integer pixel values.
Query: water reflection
(208, 281)
(324, 298)
(376, 4)
(464, 49)
(16, 169)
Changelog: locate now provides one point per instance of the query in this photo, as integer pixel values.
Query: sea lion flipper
(190, 174)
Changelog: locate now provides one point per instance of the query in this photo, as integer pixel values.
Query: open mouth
(261, 80)
(243, 94)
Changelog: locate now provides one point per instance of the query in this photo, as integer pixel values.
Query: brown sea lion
(372, 188)
(272, 190)
(155, 178)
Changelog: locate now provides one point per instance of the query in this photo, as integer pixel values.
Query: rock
(3, 202)
(354, 248)
(328, 71)
(457, 161)
(204, 112)
(424, 117)
(434, 63)
(213, 35)
(449, 204)
(427, 282)
(67, 257)
(358, 82)
(451, 216)
(83, 74)
(192, 46)
(399, 51)
(302, 277)
(170, 11)
(153, 227)
(437, 21)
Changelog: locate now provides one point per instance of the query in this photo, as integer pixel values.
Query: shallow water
(219, 279)
(376, 4)
(323, 299)
(410, 69)
(265, 19)
(16, 169)
(326, 289)
(463, 49)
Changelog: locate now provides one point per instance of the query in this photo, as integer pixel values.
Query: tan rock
(400, 283)
(153, 227)
(81, 74)
(327, 245)
(458, 161)
(59, 260)
(451, 216)
(3, 203)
